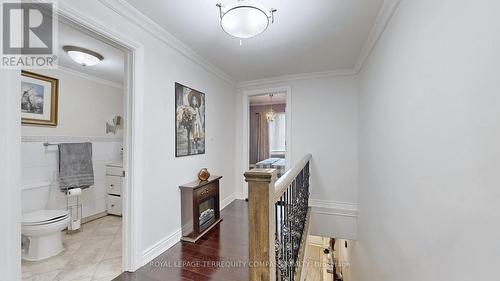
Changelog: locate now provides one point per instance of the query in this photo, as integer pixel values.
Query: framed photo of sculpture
(189, 121)
(38, 99)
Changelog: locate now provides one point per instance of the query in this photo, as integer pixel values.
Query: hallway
(220, 255)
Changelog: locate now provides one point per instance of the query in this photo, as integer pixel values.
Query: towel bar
(49, 144)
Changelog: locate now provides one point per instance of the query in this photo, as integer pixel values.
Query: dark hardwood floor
(220, 255)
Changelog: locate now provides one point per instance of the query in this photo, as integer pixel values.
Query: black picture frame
(190, 136)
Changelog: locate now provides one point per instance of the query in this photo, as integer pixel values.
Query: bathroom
(73, 126)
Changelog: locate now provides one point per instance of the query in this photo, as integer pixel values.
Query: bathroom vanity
(114, 187)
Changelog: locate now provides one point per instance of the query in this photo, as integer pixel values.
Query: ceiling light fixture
(271, 115)
(245, 18)
(83, 56)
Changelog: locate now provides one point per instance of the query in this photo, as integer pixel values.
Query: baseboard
(239, 196)
(228, 200)
(166, 243)
(94, 217)
(161, 246)
(334, 219)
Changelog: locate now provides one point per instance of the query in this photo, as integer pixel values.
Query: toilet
(42, 229)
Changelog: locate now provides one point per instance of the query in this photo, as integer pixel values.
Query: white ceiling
(307, 36)
(111, 68)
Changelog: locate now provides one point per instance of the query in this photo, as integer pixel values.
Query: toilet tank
(35, 196)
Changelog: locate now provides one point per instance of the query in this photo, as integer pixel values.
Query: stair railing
(278, 215)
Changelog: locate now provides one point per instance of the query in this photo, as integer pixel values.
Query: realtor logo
(29, 31)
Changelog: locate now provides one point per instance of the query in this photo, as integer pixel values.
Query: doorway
(328, 259)
(267, 130)
(72, 168)
(132, 117)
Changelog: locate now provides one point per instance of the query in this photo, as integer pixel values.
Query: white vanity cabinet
(114, 187)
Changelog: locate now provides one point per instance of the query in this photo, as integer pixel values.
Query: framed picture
(189, 121)
(38, 99)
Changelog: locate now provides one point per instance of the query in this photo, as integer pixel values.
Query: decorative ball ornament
(203, 174)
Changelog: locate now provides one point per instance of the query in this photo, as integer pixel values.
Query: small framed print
(38, 99)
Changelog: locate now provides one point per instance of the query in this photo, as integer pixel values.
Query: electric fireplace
(200, 207)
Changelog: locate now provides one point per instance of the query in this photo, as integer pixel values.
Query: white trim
(334, 219)
(383, 18)
(161, 246)
(133, 115)
(334, 208)
(238, 195)
(10, 173)
(246, 128)
(267, 103)
(170, 240)
(133, 159)
(36, 185)
(57, 139)
(295, 77)
(90, 77)
(130, 13)
(226, 201)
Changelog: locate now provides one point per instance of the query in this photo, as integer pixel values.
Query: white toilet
(43, 230)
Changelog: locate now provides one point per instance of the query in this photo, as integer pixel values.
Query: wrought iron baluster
(290, 214)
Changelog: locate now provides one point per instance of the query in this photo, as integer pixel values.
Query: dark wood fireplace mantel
(200, 207)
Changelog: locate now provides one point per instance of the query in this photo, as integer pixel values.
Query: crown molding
(133, 15)
(302, 76)
(90, 77)
(127, 11)
(383, 18)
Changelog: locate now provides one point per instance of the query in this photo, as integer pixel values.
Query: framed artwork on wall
(38, 99)
(189, 121)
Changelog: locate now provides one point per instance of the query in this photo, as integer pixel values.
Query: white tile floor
(94, 254)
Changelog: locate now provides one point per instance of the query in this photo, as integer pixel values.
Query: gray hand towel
(75, 165)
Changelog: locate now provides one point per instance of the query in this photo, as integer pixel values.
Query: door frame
(246, 127)
(132, 142)
(133, 152)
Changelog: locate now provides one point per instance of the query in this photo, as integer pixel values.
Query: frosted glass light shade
(83, 56)
(244, 21)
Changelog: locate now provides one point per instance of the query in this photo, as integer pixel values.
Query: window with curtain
(277, 133)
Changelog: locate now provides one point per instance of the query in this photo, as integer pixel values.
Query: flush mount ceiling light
(245, 18)
(83, 56)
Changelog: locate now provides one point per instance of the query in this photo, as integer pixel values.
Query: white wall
(430, 146)
(162, 172)
(84, 107)
(324, 123)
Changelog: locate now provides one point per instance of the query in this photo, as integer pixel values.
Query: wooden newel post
(261, 224)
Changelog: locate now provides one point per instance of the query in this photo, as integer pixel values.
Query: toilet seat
(42, 217)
